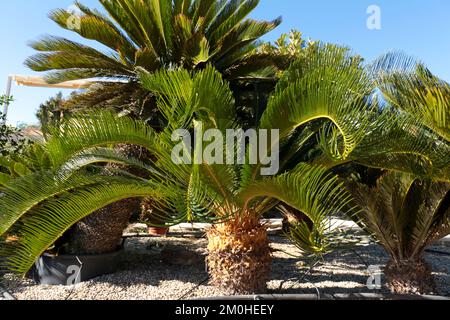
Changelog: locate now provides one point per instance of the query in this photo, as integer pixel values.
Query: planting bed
(173, 267)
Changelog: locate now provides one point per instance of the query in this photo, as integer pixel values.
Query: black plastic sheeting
(70, 269)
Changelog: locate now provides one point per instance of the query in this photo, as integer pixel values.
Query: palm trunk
(102, 231)
(239, 257)
(409, 277)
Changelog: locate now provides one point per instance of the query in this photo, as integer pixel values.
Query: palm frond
(102, 129)
(92, 156)
(21, 194)
(47, 222)
(93, 25)
(409, 86)
(329, 84)
(309, 189)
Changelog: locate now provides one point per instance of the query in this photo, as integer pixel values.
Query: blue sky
(418, 27)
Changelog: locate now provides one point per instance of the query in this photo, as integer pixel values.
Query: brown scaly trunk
(409, 277)
(239, 257)
(102, 231)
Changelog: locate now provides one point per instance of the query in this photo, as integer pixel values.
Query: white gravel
(143, 276)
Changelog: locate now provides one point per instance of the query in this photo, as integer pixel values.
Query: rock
(136, 228)
(180, 256)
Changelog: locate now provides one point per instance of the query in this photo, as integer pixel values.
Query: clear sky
(420, 28)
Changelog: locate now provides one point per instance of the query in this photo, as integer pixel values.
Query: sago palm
(407, 140)
(329, 85)
(409, 208)
(405, 214)
(151, 34)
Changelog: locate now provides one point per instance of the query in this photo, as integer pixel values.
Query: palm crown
(153, 35)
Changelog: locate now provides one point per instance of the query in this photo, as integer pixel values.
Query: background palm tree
(152, 35)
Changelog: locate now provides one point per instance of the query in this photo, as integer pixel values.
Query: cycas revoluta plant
(409, 207)
(405, 214)
(152, 35)
(407, 141)
(327, 85)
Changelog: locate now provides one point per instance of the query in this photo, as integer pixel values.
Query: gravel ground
(144, 276)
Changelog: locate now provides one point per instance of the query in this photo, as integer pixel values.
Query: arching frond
(399, 142)
(403, 213)
(326, 85)
(93, 25)
(309, 189)
(95, 130)
(47, 222)
(21, 194)
(315, 193)
(88, 157)
(410, 87)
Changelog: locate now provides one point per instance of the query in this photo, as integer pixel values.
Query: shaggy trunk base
(239, 259)
(412, 277)
(102, 231)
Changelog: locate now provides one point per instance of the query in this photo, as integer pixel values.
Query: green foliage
(152, 35)
(69, 189)
(287, 48)
(410, 87)
(51, 112)
(11, 141)
(403, 213)
(408, 208)
(325, 108)
(399, 136)
(291, 44)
